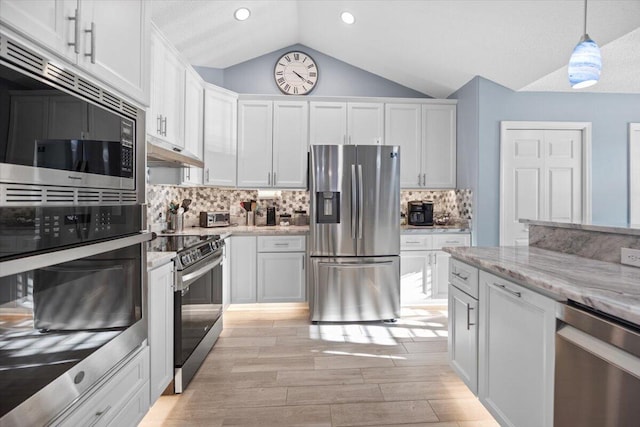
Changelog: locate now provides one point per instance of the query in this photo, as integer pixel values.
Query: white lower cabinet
(121, 400)
(424, 268)
(463, 336)
(266, 269)
(516, 353)
(160, 293)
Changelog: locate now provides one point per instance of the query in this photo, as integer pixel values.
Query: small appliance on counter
(214, 219)
(420, 213)
(271, 216)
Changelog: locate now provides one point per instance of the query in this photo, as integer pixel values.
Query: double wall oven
(72, 253)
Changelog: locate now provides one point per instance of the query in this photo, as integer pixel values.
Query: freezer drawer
(355, 289)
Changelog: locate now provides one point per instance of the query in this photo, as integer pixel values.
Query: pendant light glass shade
(585, 64)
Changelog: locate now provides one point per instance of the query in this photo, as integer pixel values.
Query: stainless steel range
(197, 300)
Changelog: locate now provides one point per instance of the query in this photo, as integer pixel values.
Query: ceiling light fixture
(585, 63)
(348, 18)
(242, 14)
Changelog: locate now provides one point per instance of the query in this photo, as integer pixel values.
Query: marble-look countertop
(156, 259)
(633, 230)
(605, 286)
(243, 230)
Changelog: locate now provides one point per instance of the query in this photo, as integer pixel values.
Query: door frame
(634, 173)
(585, 127)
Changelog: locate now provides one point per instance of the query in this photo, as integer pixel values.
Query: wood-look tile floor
(274, 368)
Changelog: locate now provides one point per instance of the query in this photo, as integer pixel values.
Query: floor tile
(303, 416)
(393, 413)
(273, 364)
(215, 378)
(263, 332)
(408, 373)
(345, 362)
(333, 394)
(246, 342)
(418, 359)
(426, 346)
(460, 409)
(227, 397)
(319, 377)
(426, 390)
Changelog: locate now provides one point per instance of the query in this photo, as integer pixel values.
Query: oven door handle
(187, 279)
(20, 265)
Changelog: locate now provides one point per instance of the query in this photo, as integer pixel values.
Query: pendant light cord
(585, 16)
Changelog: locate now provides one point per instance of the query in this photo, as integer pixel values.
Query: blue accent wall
(335, 77)
(610, 115)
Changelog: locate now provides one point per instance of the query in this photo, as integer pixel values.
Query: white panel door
(46, 22)
(290, 144)
(463, 337)
(415, 278)
(327, 123)
(173, 99)
(403, 127)
(439, 149)
(220, 132)
(440, 262)
(281, 277)
(541, 179)
(634, 174)
(365, 123)
(193, 114)
(243, 269)
(160, 328)
(255, 144)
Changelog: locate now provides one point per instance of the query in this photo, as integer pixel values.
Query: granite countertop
(243, 230)
(605, 286)
(632, 230)
(156, 259)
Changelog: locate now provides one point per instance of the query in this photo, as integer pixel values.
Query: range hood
(164, 156)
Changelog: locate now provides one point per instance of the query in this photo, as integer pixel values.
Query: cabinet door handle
(268, 178)
(92, 54)
(419, 181)
(504, 288)
(76, 32)
(459, 275)
(424, 179)
(159, 125)
(469, 324)
(99, 415)
(207, 175)
(164, 127)
(303, 263)
(274, 179)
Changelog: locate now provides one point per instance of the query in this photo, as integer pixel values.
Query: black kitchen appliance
(271, 216)
(420, 213)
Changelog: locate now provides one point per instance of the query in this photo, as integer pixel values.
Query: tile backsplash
(455, 203)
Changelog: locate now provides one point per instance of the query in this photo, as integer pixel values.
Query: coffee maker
(420, 213)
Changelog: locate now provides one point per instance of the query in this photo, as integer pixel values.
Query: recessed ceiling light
(242, 14)
(348, 18)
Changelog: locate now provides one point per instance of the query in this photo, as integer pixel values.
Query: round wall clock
(296, 73)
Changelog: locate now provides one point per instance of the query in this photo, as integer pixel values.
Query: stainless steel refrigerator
(354, 232)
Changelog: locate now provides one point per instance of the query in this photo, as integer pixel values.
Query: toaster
(214, 219)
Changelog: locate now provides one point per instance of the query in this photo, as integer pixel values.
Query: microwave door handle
(21, 265)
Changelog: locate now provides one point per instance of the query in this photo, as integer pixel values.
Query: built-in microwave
(64, 132)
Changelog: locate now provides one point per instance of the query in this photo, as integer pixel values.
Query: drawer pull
(504, 288)
(280, 244)
(100, 414)
(459, 275)
(452, 241)
(413, 242)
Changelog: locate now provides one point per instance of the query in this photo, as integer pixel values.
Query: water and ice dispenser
(328, 207)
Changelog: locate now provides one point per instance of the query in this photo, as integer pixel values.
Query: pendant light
(585, 63)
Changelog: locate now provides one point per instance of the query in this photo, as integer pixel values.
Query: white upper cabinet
(166, 119)
(106, 38)
(255, 143)
(427, 137)
(327, 123)
(193, 114)
(439, 145)
(346, 123)
(220, 134)
(365, 123)
(272, 144)
(290, 147)
(403, 127)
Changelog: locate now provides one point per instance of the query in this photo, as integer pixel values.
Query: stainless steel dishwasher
(597, 378)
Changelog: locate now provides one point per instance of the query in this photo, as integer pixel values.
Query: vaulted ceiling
(431, 46)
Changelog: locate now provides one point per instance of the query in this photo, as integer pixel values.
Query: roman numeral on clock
(312, 74)
(279, 73)
(288, 58)
(281, 81)
(295, 90)
(311, 66)
(296, 56)
(287, 87)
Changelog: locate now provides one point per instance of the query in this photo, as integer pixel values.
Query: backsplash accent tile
(455, 203)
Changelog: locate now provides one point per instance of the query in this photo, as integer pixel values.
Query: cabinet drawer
(113, 395)
(281, 244)
(415, 242)
(442, 240)
(464, 277)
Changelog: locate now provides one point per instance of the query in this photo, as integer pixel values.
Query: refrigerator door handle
(354, 208)
(361, 202)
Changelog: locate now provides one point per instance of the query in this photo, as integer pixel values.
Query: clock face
(296, 73)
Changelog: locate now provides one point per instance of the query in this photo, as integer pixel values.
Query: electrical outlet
(630, 256)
